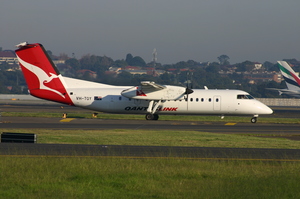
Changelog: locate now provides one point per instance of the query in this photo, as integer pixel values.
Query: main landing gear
(153, 105)
(150, 116)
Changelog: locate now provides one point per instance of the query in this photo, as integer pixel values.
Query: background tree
(213, 68)
(50, 54)
(120, 63)
(138, 61)
(245, 66)
(270, 66)
(123, 79)
(95, 63)
(223, 59)
(74, 63)
(63, 56)
(135, 61)
(128, 59)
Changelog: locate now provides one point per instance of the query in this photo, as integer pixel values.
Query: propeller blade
(188, 91)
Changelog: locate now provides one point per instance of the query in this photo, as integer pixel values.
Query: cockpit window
(250, 96)
(244, 97)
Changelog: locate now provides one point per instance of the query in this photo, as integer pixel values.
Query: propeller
(188, 90)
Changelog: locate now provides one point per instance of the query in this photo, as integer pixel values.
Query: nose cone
(264, 109)
(268, 110)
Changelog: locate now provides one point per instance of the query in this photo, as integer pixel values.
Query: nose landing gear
(254, 119)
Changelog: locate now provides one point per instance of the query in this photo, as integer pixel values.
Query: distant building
(57, 62)
(255, 78)
(114, 69)
(132, 68)
(257, 65)
(90, 73)
(136, 70)
(9, 57)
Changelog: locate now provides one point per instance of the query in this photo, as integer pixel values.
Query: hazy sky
(201, 30)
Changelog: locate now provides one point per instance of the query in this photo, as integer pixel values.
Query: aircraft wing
(147, 86)
(151, 91)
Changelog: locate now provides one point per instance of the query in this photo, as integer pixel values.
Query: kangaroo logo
(140, 92)
(42, 76)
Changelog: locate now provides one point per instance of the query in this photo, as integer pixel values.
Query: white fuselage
(107, 98)
(44, 81)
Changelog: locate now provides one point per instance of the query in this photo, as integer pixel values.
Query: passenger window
(209, 99)
(217, 100)
(202, 99)
(197, 99)
(191, 99)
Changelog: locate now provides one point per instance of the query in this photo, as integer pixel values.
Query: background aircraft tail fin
(291, 78)
(41, 75)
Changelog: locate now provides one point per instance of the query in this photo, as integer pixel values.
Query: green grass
(115, 177)
(47, 177)
(156, 138)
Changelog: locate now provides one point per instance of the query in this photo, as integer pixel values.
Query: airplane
(44, 81)
(292, 80)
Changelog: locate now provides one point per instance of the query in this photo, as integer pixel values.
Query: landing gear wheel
(254, 120)
(149, 116)
(155, 117)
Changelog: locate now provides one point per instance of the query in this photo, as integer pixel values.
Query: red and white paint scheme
(44, 81)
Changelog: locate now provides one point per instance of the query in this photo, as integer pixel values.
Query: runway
(213, 127)
(290, 131)
(163, 152)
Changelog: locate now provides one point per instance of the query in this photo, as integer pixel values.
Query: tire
(254, 120)
(155, 117)
(149, 116)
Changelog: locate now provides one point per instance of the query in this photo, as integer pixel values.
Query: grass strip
(48, 177)
(74, 177)
(156, 138)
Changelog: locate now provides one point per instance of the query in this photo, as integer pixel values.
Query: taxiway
(290, 131)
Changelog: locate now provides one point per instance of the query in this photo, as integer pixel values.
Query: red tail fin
(42, 77)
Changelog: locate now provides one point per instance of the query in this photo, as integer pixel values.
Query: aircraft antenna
(154, 59)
